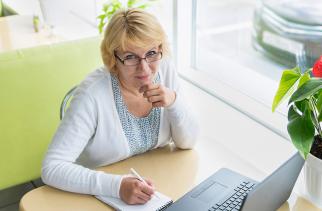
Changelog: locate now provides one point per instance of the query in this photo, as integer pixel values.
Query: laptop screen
(275, 189)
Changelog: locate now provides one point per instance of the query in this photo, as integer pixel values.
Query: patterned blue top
(141, 133)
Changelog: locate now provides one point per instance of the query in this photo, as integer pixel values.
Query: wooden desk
(173, 171)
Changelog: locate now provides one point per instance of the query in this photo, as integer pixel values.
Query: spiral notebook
(156, 203)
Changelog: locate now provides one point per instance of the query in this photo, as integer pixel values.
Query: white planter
(313, 179)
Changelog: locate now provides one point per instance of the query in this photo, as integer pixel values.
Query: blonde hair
(131, 27)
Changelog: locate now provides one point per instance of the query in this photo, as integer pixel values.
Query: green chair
(65, 102)
(32, 82)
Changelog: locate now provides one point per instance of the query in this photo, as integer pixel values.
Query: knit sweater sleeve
(59, 167)
(183, 124)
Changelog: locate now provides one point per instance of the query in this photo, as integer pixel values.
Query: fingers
(158, 95)
(133, 191)
(147, 87)
(144, 196)
(143, 193)
(155, 95)
(146, 189)
(140, 200)
(159, 101)
(156, 98)
(150, 183)
(152, 92)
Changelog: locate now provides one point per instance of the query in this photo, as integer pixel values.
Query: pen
(141, 179)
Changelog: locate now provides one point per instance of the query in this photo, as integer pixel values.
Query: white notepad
(155, 203)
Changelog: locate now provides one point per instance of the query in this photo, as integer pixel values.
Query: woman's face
(137, 75)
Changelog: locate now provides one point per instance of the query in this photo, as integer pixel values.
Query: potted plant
(304, 117)
(110, 7)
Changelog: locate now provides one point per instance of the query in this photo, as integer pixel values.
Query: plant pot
(313, 179)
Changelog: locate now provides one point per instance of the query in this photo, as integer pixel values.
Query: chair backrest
(67, 98)
(32, 83)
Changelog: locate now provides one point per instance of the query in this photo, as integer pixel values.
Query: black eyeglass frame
(139, 59)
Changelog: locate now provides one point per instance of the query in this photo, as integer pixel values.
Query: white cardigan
(91, 135)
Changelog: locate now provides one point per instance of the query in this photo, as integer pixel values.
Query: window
(217, 54)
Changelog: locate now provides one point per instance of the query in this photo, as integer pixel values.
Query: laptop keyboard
(233, 203)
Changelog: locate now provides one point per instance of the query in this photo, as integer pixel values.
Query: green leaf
(299, 106)
(108, 9)
(306, 90)
(105, 7)
(102, 16)
(319, 106)
(297, 70)
(131, 3)
(292, 114)
(100, 27)
(308, 70)
(288, 79)
(111, 6)
(320, 117)
(304, 78)
(301, 130)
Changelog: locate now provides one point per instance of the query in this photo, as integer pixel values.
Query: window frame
(185, 46)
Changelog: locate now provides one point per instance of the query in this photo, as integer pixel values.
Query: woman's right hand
(133, 191)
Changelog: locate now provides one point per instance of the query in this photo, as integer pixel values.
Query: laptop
(231, 191)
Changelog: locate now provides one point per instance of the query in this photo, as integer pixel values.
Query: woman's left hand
(158, 95)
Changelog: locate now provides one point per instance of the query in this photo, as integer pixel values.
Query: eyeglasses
(133, 60)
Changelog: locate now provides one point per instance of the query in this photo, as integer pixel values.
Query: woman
(128, 107)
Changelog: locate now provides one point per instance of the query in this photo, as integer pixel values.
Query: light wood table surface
(173, 171)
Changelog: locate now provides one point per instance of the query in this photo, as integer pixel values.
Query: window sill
(253, 109)
(232, 132)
